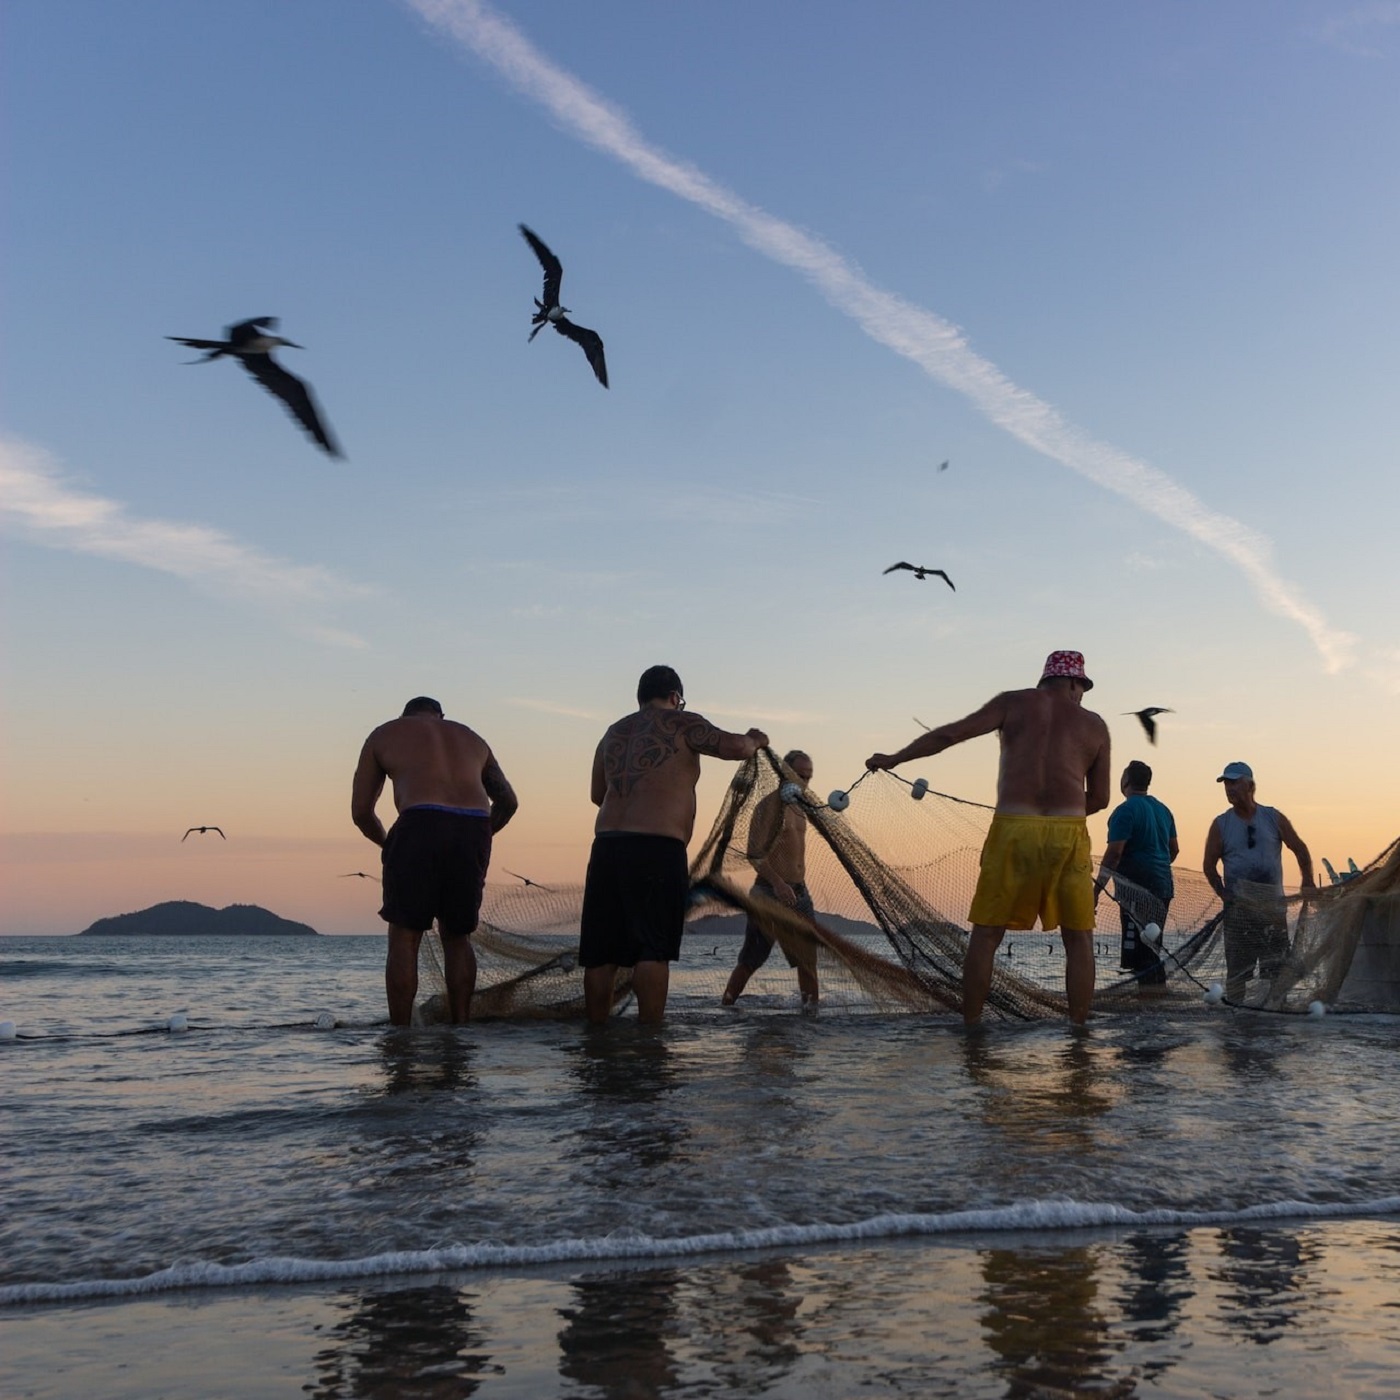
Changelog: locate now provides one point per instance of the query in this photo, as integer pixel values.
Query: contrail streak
(935, 345)
(35, 499)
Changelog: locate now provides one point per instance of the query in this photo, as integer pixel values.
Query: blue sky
(1171, 229)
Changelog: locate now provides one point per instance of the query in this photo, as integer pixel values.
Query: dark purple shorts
(435, 863)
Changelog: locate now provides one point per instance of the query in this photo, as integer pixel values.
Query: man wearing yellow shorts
(1035, 861)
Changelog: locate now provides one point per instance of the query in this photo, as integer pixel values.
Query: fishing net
(892, 876)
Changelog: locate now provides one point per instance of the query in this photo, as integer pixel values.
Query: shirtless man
(778, 853)
(451, 797)
(1035, 861)
(634, 898)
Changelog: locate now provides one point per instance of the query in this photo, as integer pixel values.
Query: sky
(1127, 269)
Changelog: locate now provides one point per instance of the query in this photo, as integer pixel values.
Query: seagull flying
(549, 312)
(919, 571)
(943, 466)
(251, 344)
(525, 880)
(362, 875)
(201, 830)
(1148, 719)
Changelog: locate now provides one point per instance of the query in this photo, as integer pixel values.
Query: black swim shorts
(435, 861)
(634, 900)
(757, 944)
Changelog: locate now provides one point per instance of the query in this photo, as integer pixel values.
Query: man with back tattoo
(634, 898)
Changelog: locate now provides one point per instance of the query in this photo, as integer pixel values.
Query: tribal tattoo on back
(638, 745)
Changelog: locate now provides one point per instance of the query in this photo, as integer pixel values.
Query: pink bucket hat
(1066, 663)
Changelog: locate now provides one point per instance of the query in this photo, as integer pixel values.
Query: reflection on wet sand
(1043, 1321)
(397, 1342)
(1263, 1279)
(619, 1333)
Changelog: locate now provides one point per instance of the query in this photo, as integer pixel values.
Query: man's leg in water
(1079, 972)
(738, 980)
(650, 981)
(401, 972)
(459, 966)
(598, 992)
(807, 986)
(977, 969)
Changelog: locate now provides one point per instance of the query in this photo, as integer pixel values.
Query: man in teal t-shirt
(1141, 847)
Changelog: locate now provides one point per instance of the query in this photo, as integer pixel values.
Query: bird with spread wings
(549, 312)
(922, 571)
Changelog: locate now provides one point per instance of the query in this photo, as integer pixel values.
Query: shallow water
(754, 1201)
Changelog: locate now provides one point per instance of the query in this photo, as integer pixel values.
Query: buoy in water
(1316, 1008)
(918, 788)
(839, 801)
(790, 792)
(7, 1030)
(178, 1022)
(1215, 994)
(325, 1021)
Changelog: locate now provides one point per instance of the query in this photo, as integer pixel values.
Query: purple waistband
(439, 807)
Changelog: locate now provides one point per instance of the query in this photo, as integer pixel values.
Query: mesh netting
(892, 878)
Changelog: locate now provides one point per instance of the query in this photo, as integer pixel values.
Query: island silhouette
(184, 917)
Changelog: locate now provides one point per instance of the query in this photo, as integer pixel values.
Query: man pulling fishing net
(1035, 861)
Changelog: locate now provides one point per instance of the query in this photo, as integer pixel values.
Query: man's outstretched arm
(987, 720)
(704, 738)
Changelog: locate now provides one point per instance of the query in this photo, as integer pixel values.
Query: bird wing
(186, 836)
(592, 344)
(553, 268)
(296, 395)
(198, 344)
(944, 577)
(251, 328)
(220, 830)
(900, 565)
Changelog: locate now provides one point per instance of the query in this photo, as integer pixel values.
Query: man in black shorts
(451, 797)
(634, 898)
(778, 850)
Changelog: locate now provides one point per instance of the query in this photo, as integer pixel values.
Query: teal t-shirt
(1147, 826)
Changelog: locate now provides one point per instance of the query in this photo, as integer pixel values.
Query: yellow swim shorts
(1035, 866)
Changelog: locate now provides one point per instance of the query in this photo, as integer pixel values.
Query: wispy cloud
(935, 345)
(756, 714)
(1352, 31)
(36, 502)
(548, 707)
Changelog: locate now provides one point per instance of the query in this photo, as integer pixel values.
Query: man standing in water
(1249, 840)
(778, 852)
(634, 897)
(1035, 861)
(451, 797)
(1141, 847)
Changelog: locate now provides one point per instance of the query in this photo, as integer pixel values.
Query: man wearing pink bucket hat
(1035, 861)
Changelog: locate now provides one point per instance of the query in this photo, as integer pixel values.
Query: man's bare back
(428, 759)
(648, 763)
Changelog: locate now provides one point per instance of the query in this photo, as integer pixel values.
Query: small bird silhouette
(360, 875)
(920, 571)
(549, 311)
(943, 466)
(201, 830)
(525, 880)
(251, 344)
(1148, 719)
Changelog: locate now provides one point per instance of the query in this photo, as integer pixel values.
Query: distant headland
(184, 917)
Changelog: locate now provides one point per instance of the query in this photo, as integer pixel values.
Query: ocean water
(740, 1203)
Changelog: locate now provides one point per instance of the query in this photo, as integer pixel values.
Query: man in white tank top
(1248, 841)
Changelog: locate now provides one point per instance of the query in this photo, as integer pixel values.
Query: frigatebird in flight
(549, 312)
(919, 571)
(251, 343)
(1148, 719)
(525, 880)
(201, 830)
(362, 875)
